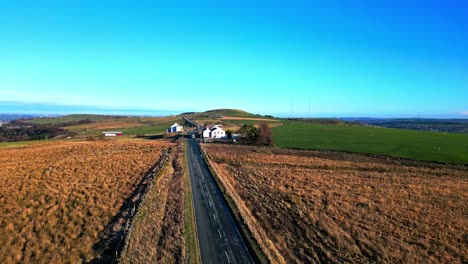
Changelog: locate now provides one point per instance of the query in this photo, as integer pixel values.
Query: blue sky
(347, 58)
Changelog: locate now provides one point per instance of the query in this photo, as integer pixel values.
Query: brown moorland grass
(57, 198)
(322, 207)
(158, 235)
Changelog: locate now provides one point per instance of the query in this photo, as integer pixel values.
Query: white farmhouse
(175, 128)
(217, 132)
(214, 132)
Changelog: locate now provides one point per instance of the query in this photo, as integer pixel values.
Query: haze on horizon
(343, 58)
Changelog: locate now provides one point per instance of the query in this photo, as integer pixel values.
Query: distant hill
(10, 117)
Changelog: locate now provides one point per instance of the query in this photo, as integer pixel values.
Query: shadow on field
(153, 137)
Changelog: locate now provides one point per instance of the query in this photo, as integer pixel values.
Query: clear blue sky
(349, 58)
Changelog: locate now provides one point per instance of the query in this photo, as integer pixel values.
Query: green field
(129, 126)
(66, 118)
(19, 144)
(418, 145)
(145, 130)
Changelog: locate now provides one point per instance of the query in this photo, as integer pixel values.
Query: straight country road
(218, 236)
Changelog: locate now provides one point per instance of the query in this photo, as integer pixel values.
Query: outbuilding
(175, 128)
(112, 133)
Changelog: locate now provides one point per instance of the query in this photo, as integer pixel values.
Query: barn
(175, 128)
(112, 133)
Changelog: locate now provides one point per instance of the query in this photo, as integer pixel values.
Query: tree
(229, 133)
(249, 132)
(265, 135)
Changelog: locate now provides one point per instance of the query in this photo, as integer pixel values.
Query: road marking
(219, 233)
(214, 217)
(227, 257)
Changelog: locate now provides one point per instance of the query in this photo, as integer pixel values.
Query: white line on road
(214, 217)
(219, 233)
(227, 257)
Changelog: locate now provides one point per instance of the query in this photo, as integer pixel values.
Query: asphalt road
(218, 236)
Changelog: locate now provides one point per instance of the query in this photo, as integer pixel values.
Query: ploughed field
(56, 199)
(322, 206)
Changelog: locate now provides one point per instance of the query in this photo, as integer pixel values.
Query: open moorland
(334, 207)
(158, 235)
(57, 198)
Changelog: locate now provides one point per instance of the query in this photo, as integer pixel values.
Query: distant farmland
(418, 145)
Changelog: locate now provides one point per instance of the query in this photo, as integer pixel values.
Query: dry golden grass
(158, 235)
(57, 198)
(311, 206)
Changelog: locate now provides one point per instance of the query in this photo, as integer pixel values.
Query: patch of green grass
(158, 128)
(19, 144)
(143, 130)
(418, 145)
(136, 126)
(66, 118)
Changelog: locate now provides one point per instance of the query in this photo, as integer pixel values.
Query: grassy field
(333, 207)
(158, 235)
(129, 126)
(66, 118)
(57, 198)
(19, 144)
(418, 145)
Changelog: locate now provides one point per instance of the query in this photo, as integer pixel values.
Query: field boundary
(114, 243)
(190, 227)
(378, 155)
(127, 233)
(252, 244)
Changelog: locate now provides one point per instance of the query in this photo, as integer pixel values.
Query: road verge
(252, 244)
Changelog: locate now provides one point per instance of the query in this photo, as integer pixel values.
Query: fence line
(130, 220)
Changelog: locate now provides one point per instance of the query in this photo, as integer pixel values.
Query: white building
(175, 128)
(214, 132)
(206, 133)
(112, 133)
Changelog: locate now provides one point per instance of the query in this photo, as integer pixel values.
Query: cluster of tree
(21, 131)
(259, 136)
